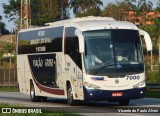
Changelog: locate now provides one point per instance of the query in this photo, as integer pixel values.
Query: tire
(33, 96)
(124, 103)
(70, 100)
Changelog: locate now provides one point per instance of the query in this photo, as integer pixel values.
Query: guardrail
(153, 86)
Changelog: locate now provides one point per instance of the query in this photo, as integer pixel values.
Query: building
(143, 18)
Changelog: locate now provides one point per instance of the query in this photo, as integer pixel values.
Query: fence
(8, 77)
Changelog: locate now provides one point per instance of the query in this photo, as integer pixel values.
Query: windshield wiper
(106, 64)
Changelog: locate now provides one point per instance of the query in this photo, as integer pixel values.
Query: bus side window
(78, 55)
(72, 46)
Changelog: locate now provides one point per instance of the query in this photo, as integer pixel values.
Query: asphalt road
(87, 108)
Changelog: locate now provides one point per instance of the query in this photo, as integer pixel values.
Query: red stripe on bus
(50, 90)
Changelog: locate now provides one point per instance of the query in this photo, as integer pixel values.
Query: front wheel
(70, 99)
(124, 103)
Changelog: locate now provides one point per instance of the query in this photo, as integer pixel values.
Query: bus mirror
(81, 40)
(147, 39)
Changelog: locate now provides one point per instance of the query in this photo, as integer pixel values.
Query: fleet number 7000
(133, 77)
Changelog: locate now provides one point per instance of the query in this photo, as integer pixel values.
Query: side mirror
(81, 40)
(147, 39)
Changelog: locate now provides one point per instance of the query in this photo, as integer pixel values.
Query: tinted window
(40, 41)
(72, 46)
(113, 52)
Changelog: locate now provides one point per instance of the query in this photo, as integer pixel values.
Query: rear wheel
(33, 96)
(124, 102)
(70, 99)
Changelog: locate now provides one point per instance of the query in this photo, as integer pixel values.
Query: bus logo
(116, 81)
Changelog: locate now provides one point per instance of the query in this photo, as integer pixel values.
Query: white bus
(83, 59)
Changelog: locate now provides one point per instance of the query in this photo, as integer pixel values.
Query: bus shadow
(84, 103)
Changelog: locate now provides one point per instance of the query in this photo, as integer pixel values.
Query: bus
(83, 59)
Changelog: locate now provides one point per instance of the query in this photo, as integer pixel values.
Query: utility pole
(25, 14)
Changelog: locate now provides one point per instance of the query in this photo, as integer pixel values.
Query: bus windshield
(114, 52)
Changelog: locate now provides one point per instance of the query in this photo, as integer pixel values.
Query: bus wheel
(124, 103)
(70, 99)
(33, 97)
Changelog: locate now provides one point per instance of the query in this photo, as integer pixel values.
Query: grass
(2, 43)
(9, 89)
(153, 94)
(44, 112)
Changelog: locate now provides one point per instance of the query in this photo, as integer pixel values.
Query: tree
(145, 5)
(10, 48)
(158, 6)
(3, 30)
(111, 11)
(82, 6)
(130, 5)
(12, 10)
(116, 10)
(42, 11)
(45, 11)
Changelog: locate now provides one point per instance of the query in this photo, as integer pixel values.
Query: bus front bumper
(113, 95)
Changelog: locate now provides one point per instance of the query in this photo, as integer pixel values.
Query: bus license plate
(116, 94)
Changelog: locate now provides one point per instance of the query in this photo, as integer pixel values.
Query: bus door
(71, 49)
(79, 76)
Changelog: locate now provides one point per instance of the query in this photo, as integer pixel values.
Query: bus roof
(89, 23)
(89, 18)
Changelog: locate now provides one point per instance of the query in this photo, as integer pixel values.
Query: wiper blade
(106, 64)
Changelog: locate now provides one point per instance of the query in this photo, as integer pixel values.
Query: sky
(11, 25)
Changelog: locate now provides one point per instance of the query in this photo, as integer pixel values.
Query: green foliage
(154, 31)
(10, 48)
(145, 5)
(152, 76)
(117, 10)
(42, 11)
(8, 89)
(152, 94)
(12, 10)
(3, 30)
(45, 11)
(83, 6)
(111, 11)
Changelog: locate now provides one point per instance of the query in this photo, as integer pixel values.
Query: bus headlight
(139, 85)
(91, 86)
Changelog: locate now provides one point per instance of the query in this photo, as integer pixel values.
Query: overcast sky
(10, 25)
